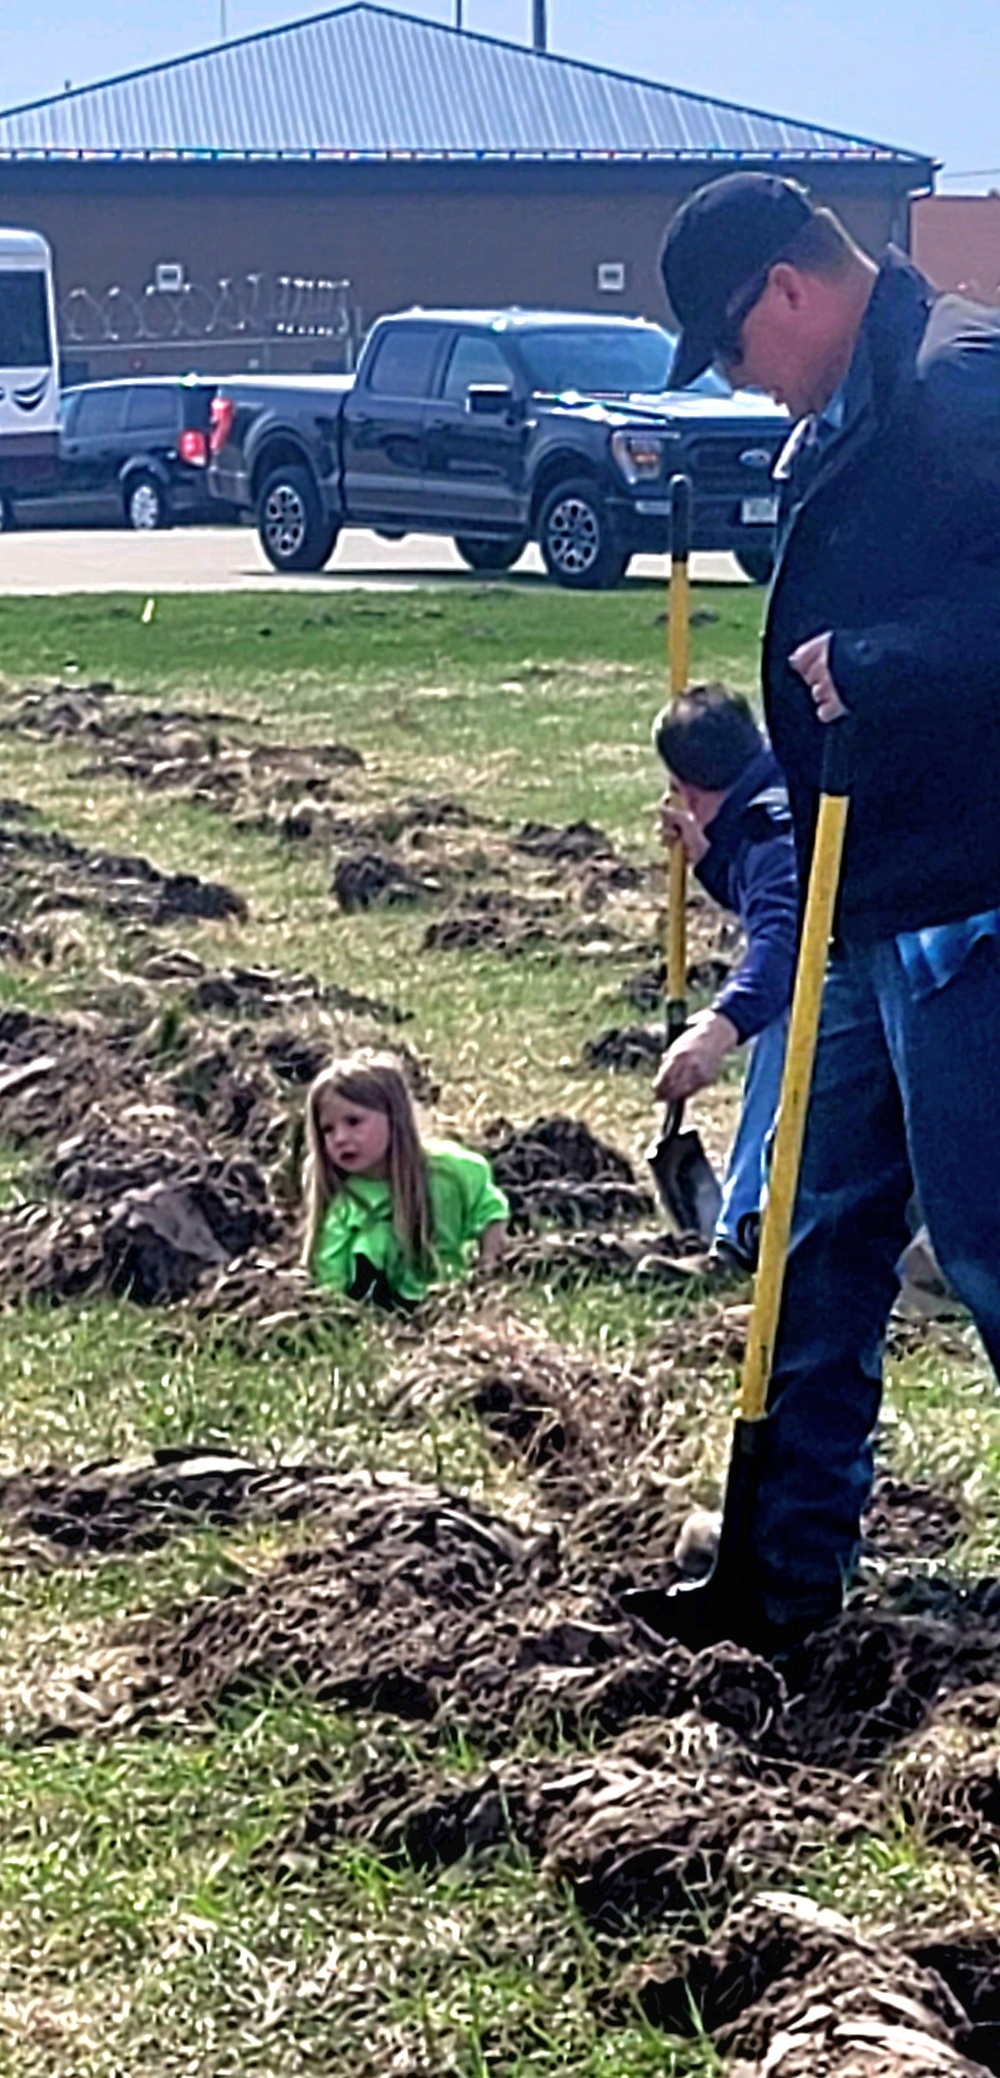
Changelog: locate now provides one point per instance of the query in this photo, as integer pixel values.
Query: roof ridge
(282, 29)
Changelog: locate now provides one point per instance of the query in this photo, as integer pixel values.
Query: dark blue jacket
(891, 539)
(750, 868)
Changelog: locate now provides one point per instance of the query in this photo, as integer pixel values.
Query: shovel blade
(725, 1605)
(686, 1181)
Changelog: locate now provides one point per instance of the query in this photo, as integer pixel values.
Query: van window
(100, 410)
(404, 361)
(475, 358)
(152, 409)
(24, 319)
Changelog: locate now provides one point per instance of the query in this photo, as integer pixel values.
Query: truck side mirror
(490, 400)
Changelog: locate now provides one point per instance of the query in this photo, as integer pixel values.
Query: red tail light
(193, 447)
(223, 411)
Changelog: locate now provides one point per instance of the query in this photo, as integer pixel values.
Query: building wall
(401, 234)
(956, 241)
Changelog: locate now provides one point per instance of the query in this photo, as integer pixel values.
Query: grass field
(171, 1904)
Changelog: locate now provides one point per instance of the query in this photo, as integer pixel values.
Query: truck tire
(756, 563)
(294, 531)
(578, 542)
(147, 507)
(482, 554)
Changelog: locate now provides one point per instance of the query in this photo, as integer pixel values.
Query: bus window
(24, 319)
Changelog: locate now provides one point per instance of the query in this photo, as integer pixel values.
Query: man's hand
(695, 1058)
(678, 826)
(812, 662)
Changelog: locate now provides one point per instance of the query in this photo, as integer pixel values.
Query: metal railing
(250, 308)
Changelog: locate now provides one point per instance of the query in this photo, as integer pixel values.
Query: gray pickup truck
(499, 428)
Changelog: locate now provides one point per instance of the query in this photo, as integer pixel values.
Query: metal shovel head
(686, 1181)
(722, 1606)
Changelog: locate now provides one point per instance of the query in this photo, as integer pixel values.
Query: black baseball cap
(721, 237)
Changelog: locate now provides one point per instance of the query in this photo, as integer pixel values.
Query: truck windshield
(24, 319)
(604, 361)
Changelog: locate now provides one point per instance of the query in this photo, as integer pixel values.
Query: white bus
(29, 363)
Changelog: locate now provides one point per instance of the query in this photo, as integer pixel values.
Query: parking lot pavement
(210, 559)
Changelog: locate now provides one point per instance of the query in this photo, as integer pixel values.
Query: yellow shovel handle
(824, 881)
(679, 654)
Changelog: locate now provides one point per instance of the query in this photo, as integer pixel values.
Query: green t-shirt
(464, 1202)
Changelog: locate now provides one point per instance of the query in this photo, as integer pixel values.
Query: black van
(130, 453)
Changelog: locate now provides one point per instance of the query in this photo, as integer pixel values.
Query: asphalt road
(210, 559)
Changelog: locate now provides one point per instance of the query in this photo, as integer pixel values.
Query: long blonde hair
(375, 1082)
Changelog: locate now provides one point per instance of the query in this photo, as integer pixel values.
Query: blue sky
(907, 72)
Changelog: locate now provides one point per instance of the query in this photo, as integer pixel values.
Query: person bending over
(730, 812)
(389, 1215)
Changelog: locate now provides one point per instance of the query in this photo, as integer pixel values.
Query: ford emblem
(756, 458)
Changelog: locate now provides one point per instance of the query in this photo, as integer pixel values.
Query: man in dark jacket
(884, 620)
(730, 812)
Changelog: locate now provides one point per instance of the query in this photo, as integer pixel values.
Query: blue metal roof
(364, 82)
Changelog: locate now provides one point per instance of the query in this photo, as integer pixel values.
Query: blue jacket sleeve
(761, 987)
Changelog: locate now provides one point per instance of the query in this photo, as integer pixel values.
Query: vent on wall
(611, 277)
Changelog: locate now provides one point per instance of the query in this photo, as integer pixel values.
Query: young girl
(387, 1216)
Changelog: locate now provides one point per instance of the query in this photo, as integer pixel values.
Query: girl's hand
(492, 1245)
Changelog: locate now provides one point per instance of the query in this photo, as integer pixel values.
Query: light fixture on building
(611, 277)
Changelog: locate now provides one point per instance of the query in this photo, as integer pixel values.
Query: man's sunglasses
(727, 346)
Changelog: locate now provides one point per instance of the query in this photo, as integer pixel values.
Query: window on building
(404, 361)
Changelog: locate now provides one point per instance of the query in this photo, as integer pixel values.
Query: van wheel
(483, 554)
(577, 539)
(294, 531)
(146, 506)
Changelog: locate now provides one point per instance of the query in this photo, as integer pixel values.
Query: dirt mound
(200, 756)
(631, 1049)
(948, 1780)
(44, 871)
(261, 991)
(794, 1990)
(870, 1680)
(153, 1244)
(556, 1170)
(567, 843)
(512, 924)
(370, 879)
(410, 818)
(122, 1505)
(905, 1522)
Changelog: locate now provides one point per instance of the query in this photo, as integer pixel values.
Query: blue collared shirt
(933, 957)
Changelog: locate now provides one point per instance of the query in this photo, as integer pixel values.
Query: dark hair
(707, 737)
(822, 245)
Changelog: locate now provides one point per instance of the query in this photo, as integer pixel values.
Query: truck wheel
(294, 531)
(483, 554)
(577, 539)
(756, 563)
(146, 506)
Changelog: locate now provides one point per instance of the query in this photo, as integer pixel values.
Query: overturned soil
(163, 1147)
(44, 871)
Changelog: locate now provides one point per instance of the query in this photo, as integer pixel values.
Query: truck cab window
(475, 358)
(404, 361)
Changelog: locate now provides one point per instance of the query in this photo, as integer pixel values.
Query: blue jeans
(746, 1170)
(904, 1099)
